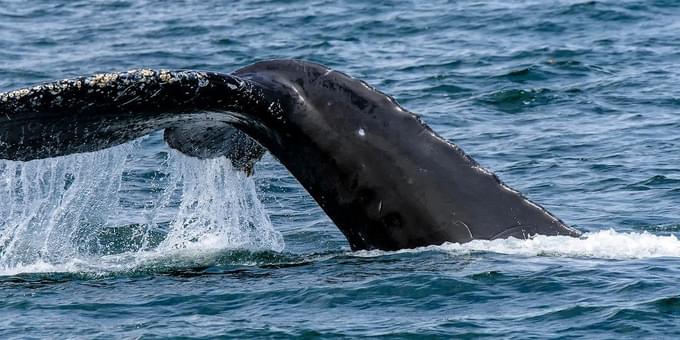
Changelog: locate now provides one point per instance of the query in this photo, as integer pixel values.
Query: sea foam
(603, 244)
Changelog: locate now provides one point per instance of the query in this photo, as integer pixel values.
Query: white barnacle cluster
(146, 73)
(54, 88)
(166, 77)
(18, 94)
(36, 93)
(137, 80)
(102, 80)
(173, 77)
(142, 75)
(58, 88)
(276, 110)
(14, 96)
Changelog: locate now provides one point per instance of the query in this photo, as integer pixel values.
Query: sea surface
(574, 103)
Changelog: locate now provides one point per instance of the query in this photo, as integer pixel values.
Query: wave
(604, 244)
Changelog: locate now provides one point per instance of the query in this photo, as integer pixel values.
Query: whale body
(385, 178)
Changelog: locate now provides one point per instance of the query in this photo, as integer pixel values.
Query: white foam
(605, 244)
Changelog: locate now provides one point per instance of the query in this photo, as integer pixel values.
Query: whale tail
(92, 113)
(383, 176)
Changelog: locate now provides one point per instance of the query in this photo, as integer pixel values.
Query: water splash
(604, 244)
(217, 208)
(102, 212)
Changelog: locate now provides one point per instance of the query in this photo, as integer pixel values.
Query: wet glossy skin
(383, 176)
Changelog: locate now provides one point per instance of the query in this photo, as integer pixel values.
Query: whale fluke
(91, 113)
(382, 175)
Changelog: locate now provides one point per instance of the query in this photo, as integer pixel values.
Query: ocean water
(574, 103)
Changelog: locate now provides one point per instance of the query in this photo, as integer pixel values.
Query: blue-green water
(574, 103)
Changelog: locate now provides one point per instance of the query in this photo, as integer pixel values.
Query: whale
(381, 174)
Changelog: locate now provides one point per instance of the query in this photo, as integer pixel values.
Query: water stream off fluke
(100, 212)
